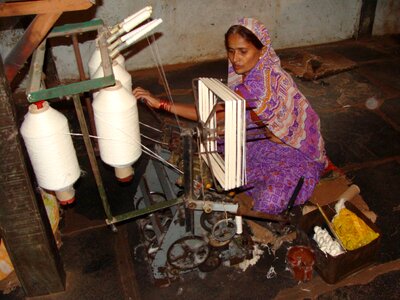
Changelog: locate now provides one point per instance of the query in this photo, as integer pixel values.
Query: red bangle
(165, 105)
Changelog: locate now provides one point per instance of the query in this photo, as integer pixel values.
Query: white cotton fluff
(339, 205)
(325, 242)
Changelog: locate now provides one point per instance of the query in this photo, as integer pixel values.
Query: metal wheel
(224, 230)
(207, 221)
(188, 252)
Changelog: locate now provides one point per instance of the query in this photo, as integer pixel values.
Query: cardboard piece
(328, 190)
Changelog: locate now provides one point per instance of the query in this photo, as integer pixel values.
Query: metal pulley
(224, 230)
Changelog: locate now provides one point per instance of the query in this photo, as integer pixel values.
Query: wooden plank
(42, 7)
(81, 27)
(31, 39)
(71, 89)
(24, 225)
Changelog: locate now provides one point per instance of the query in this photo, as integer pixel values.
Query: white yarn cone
(49, 144)
(120, 74)
(95, 61)
(117, 125)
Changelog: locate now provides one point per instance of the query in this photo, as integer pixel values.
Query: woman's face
(242, 54)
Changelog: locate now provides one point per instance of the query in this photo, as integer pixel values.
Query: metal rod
(92, 157)
(188, 176)
(144, 211)
(163, 178)
(211, 115)
(144, 188)
(78, 56)
(261, 215)
(82, 76)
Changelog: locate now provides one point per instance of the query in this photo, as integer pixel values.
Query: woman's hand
(148, 97)
(184, 110)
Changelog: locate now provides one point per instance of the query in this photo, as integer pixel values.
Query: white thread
(116, 119)
(148, 126)
(50, 148)
(144, 149)
(157, 58)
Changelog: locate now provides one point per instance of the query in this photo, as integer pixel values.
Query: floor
(357, 96)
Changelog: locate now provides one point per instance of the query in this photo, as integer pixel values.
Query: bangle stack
(165, 105)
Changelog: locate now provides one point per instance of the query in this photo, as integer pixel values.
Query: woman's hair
(244, 33)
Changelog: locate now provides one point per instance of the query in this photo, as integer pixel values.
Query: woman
(291, 147)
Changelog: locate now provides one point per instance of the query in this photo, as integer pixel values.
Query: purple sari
(273, 170)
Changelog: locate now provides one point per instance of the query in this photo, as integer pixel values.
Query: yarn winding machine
(200, 226)
(205, 228)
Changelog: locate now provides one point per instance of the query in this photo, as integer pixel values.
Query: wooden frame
(229, 169)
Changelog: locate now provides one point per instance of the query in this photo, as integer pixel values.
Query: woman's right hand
(148, 97)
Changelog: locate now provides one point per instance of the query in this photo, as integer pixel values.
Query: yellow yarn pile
(352, 231)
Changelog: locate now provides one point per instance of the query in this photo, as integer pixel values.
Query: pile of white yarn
(326, 243)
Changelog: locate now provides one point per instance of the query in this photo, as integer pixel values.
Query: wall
(387, 17)
(192, 31)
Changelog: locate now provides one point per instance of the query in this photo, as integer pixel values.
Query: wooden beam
(43, 7)
(24, 225)
(33, 36)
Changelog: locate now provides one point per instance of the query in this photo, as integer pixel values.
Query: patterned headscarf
(261, 32)
(284, 108)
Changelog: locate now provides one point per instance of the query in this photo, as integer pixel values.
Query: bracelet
(165, 105)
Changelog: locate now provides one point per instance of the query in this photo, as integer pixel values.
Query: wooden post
(24, 225)
(367, 18)
(33, 36)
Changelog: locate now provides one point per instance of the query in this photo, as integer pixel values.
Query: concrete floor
(363, 142)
